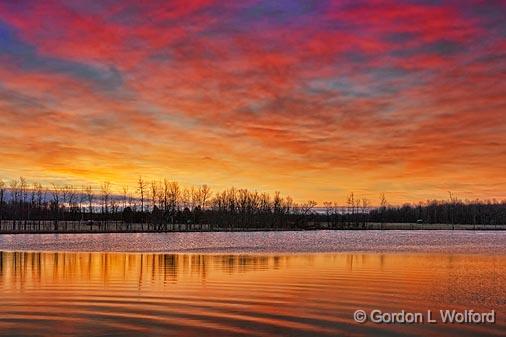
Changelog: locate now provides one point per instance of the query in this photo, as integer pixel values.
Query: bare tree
(307, 208)
(186, 198)
(452, 205)
(335, 214)
(40, 193)
(141, 188)
(195, 197)
(33, 201)
(2, 197)
(82, 200)
(288, 204)
(14, 192)
(105, 192)
(174, 198)
(364, 212)
(351, 206)
(89, 198)
(114, 206)
(69, 200)
(382, 209)
(125, 196)
(55, 204)
(23, 194)
(205, 195)
(154, 194)
(328, 210)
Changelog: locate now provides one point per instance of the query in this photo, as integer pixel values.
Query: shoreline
(113, 228)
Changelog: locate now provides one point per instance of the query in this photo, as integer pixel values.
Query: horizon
(131, 193)
(312, 99)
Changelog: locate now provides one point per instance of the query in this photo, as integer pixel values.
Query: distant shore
(75, 227)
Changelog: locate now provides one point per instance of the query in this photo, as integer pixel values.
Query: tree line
(163, 202)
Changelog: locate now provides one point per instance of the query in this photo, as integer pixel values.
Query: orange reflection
(229, 295)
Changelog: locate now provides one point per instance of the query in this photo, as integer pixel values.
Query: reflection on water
(130, 294)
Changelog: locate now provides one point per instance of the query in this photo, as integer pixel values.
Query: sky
(315, 99)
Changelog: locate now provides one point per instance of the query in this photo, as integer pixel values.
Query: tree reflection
(37, 268)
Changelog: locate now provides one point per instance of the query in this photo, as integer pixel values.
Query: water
(485, 242)
(272, 284)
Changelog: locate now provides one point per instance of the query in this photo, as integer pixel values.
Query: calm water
(277, 284)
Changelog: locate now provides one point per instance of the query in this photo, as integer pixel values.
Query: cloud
(306, 97)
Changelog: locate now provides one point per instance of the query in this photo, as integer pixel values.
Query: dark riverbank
(69, 227)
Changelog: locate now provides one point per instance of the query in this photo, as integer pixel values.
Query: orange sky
(314, 99)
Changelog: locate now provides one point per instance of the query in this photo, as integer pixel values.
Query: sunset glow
(315, 99)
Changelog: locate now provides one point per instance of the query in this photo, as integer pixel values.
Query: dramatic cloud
(312, 98)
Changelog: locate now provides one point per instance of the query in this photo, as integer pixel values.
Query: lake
(249, 284)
